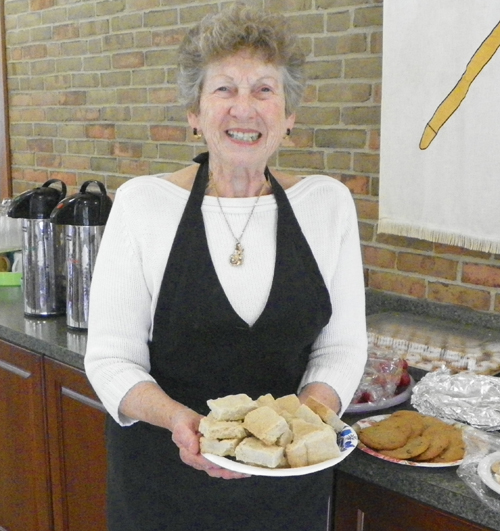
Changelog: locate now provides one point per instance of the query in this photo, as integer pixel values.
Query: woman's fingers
(200, 463)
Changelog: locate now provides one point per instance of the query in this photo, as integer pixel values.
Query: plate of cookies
(411, 438)
(274, 437)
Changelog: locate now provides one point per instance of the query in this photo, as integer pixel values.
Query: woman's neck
(237, 183)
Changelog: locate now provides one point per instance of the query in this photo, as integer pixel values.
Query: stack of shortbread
(270, 432)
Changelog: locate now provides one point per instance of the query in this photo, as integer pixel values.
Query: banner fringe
(438, 236)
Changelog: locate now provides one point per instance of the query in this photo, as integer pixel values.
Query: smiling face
(242, 111)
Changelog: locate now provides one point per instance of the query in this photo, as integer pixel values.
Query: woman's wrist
(323, 393)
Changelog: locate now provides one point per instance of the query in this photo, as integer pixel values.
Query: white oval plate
(347, 440)
(364, 423)
(366, 407)
(484, 471)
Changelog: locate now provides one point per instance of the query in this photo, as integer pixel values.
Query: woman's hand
(323, 393)
(149, 403)
(186, 436)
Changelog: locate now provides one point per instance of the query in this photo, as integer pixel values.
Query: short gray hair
(236, 28)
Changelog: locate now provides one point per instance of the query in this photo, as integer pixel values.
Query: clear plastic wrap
(382, 376)
(481, 448)
(466, 397)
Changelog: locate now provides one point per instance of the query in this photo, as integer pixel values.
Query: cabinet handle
(360, 521)
(17, 371)
(82, 399)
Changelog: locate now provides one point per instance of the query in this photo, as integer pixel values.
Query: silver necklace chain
(236, 258)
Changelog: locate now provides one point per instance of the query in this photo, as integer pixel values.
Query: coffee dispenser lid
(87, 208)
(39, 202)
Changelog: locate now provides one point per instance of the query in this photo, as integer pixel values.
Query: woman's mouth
(243, 137)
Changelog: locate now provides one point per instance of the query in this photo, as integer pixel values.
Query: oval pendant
(236, 259)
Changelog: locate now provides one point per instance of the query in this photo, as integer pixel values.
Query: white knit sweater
(134, 252)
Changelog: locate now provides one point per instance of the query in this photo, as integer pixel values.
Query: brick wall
(92, 89)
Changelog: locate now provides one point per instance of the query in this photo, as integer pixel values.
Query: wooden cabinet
(52, 450)
(77, 450)
(362, 506)
(25, 501)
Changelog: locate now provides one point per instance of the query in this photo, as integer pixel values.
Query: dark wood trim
(5, 168)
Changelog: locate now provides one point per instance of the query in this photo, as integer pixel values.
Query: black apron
(202, 349)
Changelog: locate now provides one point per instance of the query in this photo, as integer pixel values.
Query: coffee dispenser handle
(52, 181)
(101, 186)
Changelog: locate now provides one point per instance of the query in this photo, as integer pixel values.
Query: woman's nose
(243, 106)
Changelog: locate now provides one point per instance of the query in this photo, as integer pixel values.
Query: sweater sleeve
(339, 353)
(117, 355)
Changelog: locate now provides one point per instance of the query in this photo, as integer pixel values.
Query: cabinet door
(77, 450)
(24, 469)
(362, 506)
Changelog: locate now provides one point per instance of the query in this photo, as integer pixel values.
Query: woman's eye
(265, 91)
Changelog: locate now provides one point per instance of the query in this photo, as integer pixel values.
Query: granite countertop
(438, 487)
(48, 336)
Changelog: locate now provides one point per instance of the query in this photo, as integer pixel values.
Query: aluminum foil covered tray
(430, 343)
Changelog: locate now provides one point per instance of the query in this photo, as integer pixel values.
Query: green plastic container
(10, 279)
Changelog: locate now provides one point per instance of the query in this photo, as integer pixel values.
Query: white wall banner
(440, 131)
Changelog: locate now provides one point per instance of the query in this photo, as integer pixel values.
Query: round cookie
(438, 442)
(386, 434)
(455, 450)
(415, 418)
(412, 448)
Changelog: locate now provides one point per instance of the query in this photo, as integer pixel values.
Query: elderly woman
(223, 278)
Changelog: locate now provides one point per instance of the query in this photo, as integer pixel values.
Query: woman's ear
(290, 121)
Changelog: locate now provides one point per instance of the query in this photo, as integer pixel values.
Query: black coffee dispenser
(83, 216)
(42, 249)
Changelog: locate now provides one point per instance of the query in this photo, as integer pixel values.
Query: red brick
(21, 100)
(128, 60)
(37, 176)
(101, 131)
(427, 265)
(440, 248)
(127, 149)
(481, 275)
(133, 167)
(394, 283)
(366, 231)
(167, 37)
(41, 145)
(65, 32)
(168, 133)
(379, 257)
(459, 295)
(75, 162)
(374, 140)
(48, 160)
(73, 98)
(84, 114)
(300, 138)
(497, 303)
(34, 51)
(67, 177)
(366, 209)
(46, 98)
(357, 184)
(37, 5)
(403, 241)
(163, 95)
